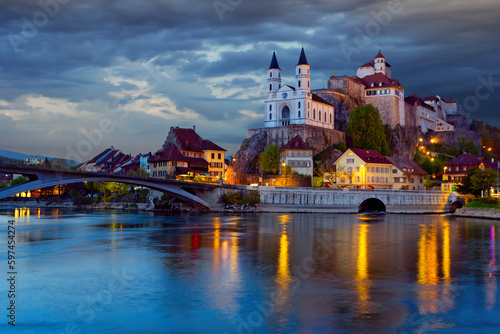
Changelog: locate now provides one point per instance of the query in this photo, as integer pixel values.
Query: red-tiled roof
(296, 143)
(171, 153)
(464, 159)
(101, 156)
(370, 156)
(378, 78)
(414, 99)
(379, 54)
(450, 100)
(369, 64)
(208, 145)
(196, 161)
(188, 140)
(319, 99)
(430, 98)
(405, 163)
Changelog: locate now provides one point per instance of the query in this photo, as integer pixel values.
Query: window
(330, 118)
(299, 104)
(357, 179)
(349, 170)
(270, 116)
(394, 171)
(219, 156)
(270, 108)
(357, 169)
(285, 112)
(270, 74)
(299, 113)
(314, 113)
(299, 70)
(350, 161)
(213, 155)
(299, 84)
(270, 87)
(377, 170)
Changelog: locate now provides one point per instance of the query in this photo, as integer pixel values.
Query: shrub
(241, 198)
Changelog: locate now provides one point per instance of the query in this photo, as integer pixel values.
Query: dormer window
(371, 85)
(380, 84)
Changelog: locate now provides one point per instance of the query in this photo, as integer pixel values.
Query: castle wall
(348, 85)
(411, 115)
(388, 107)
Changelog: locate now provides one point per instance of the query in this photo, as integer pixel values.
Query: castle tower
(380, 63)
(302, 73)
(274, 75)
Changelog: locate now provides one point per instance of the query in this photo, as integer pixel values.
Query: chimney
(194, 127)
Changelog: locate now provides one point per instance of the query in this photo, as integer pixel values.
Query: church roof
(274, 62)
(296, 143)
(319, 99)
(302, 58)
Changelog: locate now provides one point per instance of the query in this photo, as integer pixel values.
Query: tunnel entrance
(371, 205)
(456, 205)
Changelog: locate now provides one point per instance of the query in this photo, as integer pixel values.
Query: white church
(286, 105)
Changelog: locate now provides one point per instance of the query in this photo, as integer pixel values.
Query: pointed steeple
(274, 62)
(379, 54)
(302, 59)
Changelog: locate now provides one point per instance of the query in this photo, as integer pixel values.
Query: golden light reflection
(428, 266)
(217, 233)
(362, 275)
(446, 252)
(38, 213)
(283, 276)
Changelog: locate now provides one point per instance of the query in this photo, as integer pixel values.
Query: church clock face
(284, 95)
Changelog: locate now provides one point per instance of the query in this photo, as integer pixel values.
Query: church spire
(274, 62)
(302, 58)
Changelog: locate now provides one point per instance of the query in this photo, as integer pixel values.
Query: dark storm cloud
(211, 56)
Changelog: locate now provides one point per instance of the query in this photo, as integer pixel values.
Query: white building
(298, 155)
(286, 105)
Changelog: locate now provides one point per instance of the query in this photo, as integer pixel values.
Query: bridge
(273, 199)
(42, 178)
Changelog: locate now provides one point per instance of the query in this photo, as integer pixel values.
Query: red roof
(196, 161)
(208, 145)
(414, 99)
(378, 78)
(171, 153)
(379, 54)
(369, 64)
(430, 98)
(190, 141)
(296, 143)
(464, 159)
(405, 163)
(370, 156)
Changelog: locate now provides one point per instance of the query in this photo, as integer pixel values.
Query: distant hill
(22, 156)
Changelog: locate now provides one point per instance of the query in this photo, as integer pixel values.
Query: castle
(321, 114)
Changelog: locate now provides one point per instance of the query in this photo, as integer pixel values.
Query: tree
(467, 146)
(367, 130)
(18, 180)
(3, 184)
(270, 159)
(477, 180)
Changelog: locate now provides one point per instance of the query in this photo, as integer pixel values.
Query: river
(140, 272)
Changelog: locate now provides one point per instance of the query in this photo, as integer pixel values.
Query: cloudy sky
(77, 76)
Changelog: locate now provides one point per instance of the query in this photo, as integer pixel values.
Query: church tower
(380, 63)
(302, 73)
(274, 75)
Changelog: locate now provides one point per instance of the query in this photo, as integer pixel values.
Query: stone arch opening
(371, 205)
(456, 205)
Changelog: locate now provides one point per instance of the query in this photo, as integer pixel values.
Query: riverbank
(488, 213)
(71, 205)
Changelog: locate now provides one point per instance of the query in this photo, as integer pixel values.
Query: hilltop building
(298, 155)
(186, 153)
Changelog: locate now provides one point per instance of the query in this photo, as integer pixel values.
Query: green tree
(3, 184)
(18, 180)
(477, 180)
(467, 146)
(270, 159)
(367, 130)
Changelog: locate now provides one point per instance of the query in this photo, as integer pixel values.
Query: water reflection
(362, 277)
(385, 273)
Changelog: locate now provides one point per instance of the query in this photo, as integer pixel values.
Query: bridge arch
(37, 184)
(456, 205)
(371, 205)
